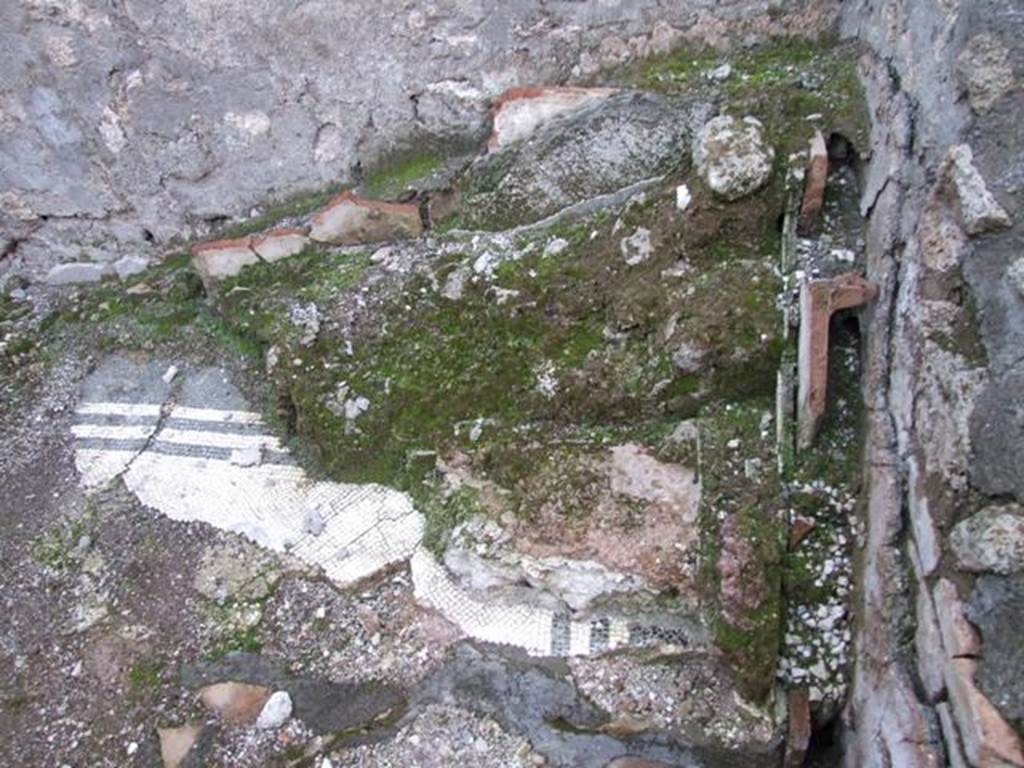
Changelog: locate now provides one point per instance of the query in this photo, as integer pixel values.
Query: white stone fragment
(75, 272)
(636, 249)
(169, 374)
(313, 523)
(979, 208)
(555, 246)
(130, 265)
(683, 197)
(732, 156)
(246, 457)
(720, 74)
(276, 711)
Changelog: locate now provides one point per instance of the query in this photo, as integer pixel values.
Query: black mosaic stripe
(600, 631)
(642, 635)
(176, 449)
(109, 444)
(228, 427)
(115, 420)
(215, 452)
(561, 633)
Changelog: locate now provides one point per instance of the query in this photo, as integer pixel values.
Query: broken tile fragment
(235, 703)
(819, 300)
(218, 259)
(798, 738)
(279, 244)
(520, 111)
(352, 220)
(176, 743)
(799, 528)
(815, 181)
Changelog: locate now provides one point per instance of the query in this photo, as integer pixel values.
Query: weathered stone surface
(480, 554)
(76, 272)
(596, 150)
(130, 265)
(819, 299)
(958, 637)
(991, 540)
(732, 156)
(351, 220)
(927, 538)
(798, 738)
(997, 437)
(951, 736)
(985, 69)
(1015, 274)
(814, 183)
(989, 741)
(931, 655)
(236, 703)
(520, 111)
(996, 608)
(218, 259)
(664, 499)
(637, 474)
(280, 243)
(635, 762)
(979, 209)
(236, 570)
(175, 743)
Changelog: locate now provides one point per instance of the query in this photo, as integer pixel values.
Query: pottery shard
(814, 185)
(798, 737)
(520, 111)
(235, 703)
(988, 740)
(219, 259)
(819, 299)
(280, 244)
(351, 220)
(799, 527)
(175, 743)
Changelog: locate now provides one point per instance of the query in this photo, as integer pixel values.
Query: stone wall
(943, 192)
(127, 126)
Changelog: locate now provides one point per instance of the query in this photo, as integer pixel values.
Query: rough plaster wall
(927, 462)
(125, 124)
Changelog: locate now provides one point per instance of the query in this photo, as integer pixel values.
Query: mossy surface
(741, 524)
(397, 174)
(782, 82)
(576, 338)
(298, 205)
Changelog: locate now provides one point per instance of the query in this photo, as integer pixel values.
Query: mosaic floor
(188, 447)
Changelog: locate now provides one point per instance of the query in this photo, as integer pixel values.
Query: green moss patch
(396, 175)
(741, 525)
